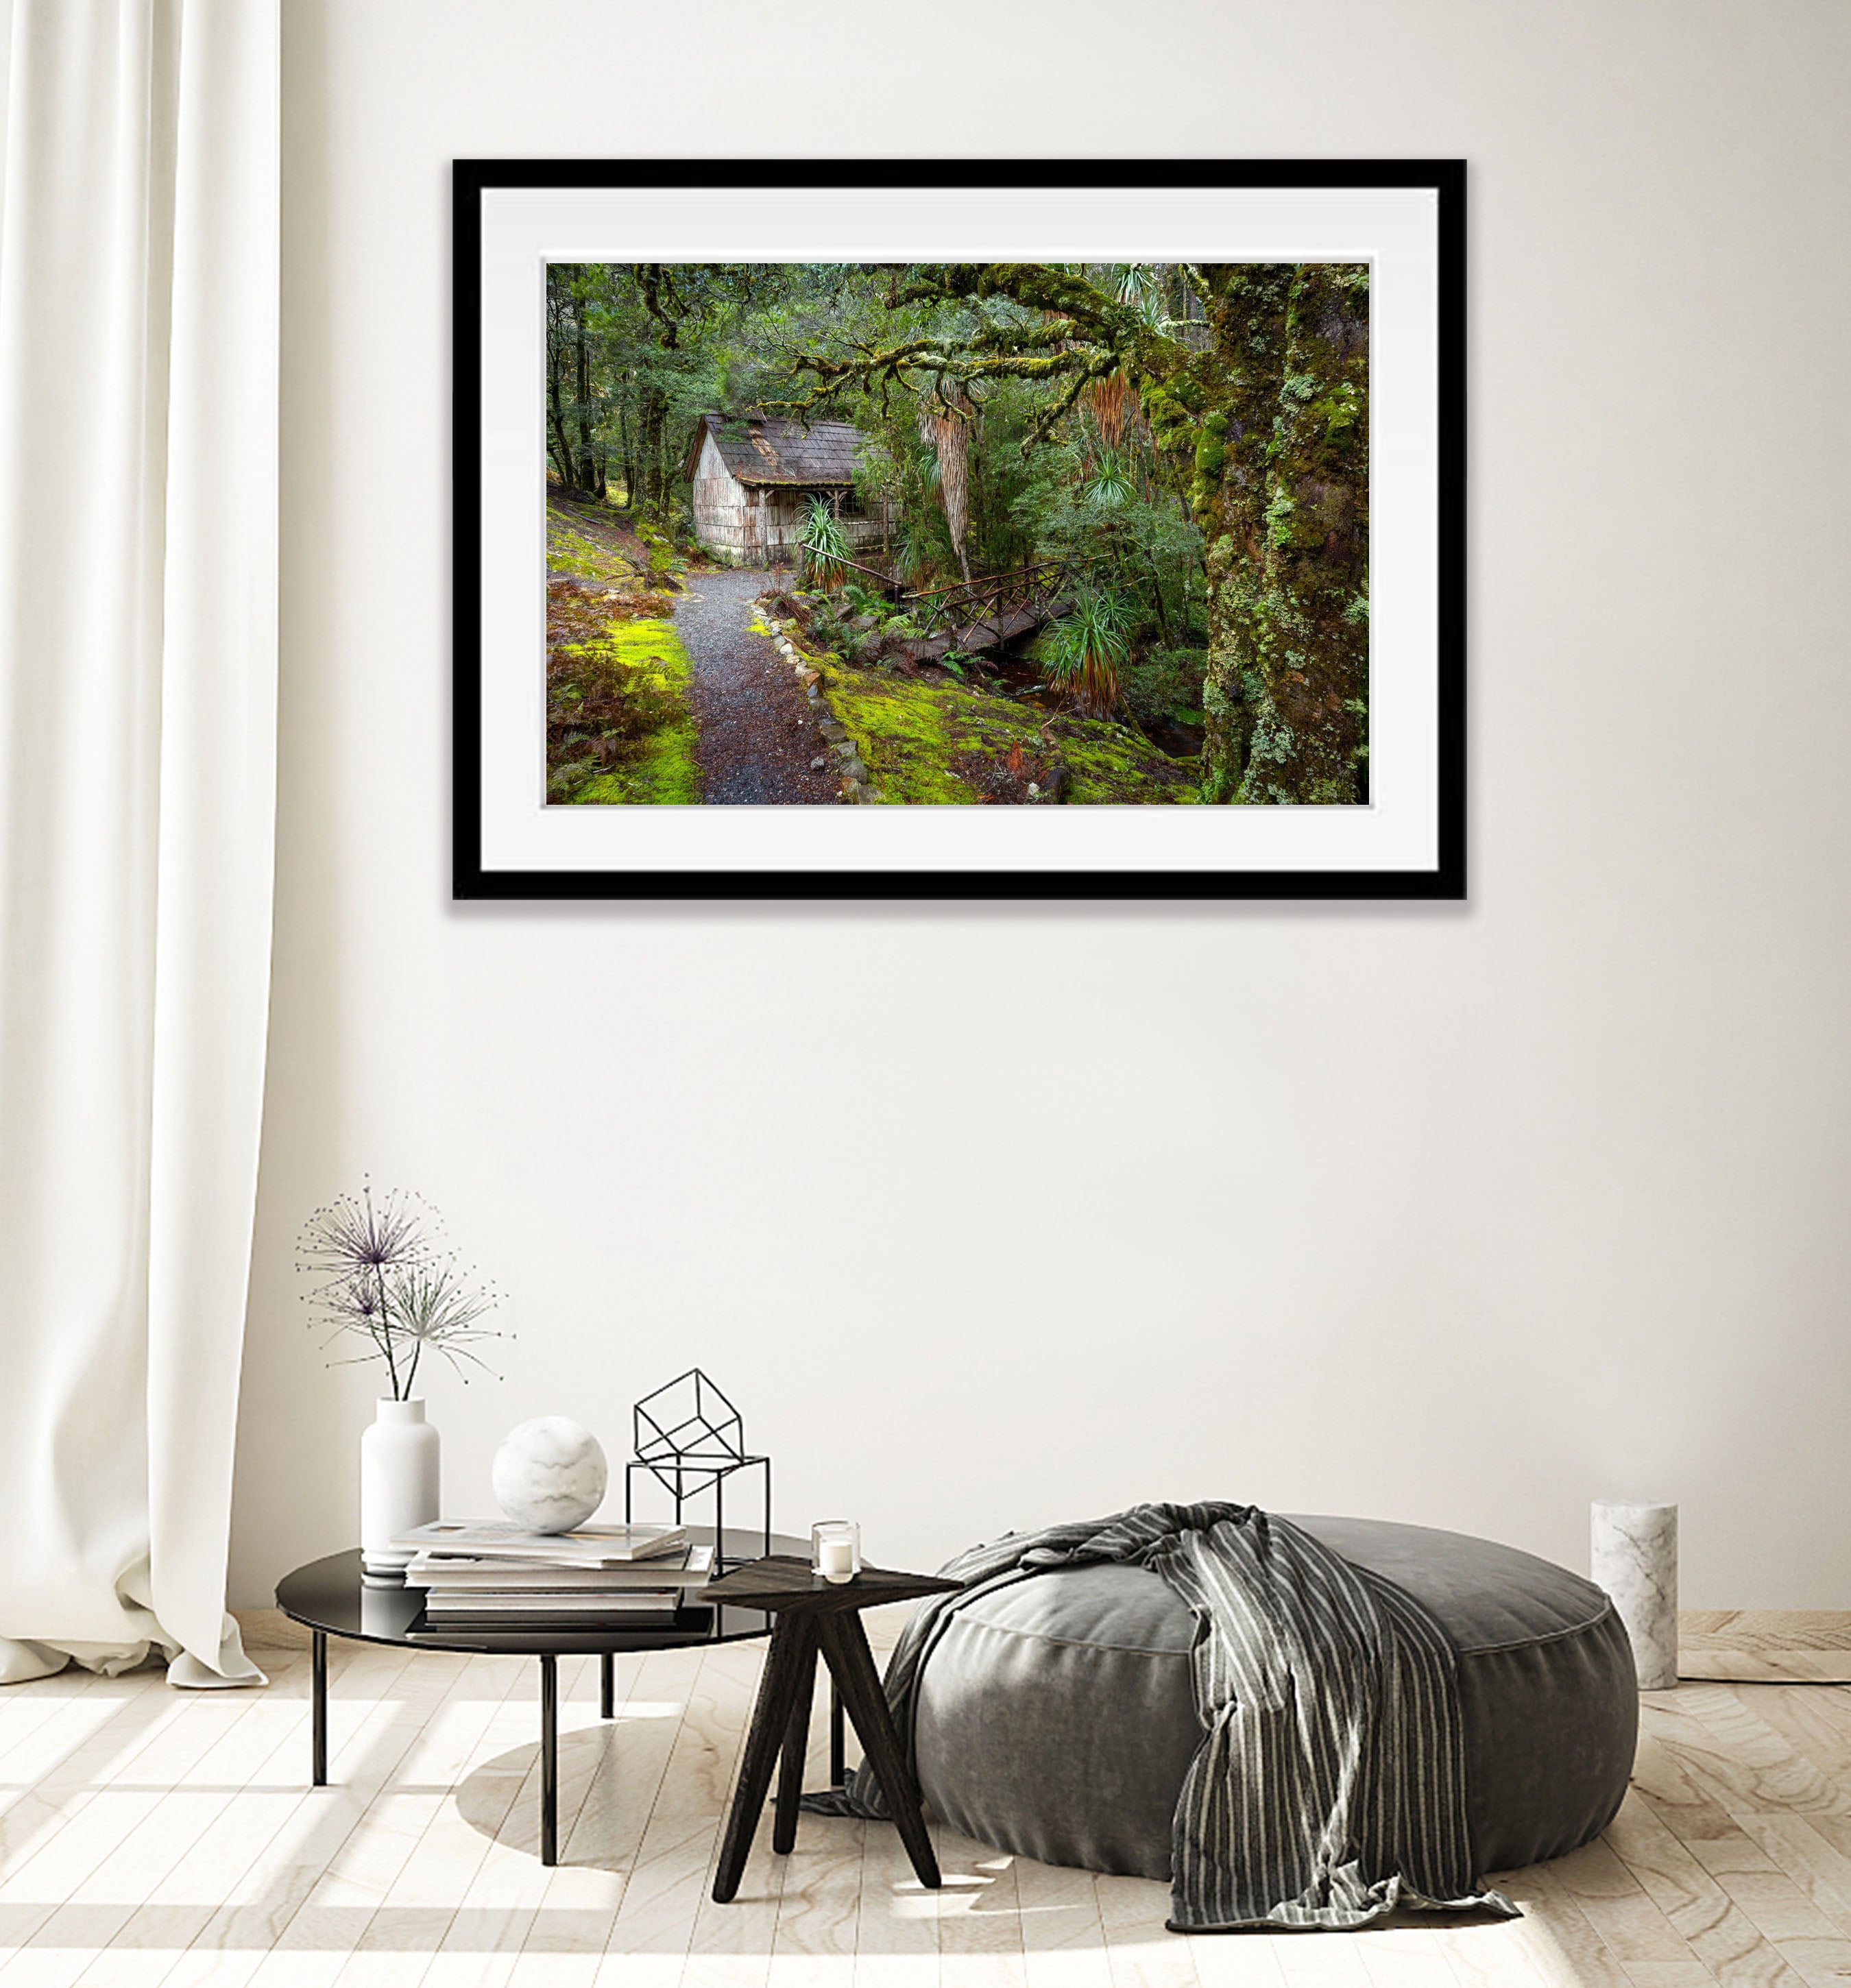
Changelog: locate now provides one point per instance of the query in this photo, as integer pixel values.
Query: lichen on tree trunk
(1282, 491)
(1246, 321)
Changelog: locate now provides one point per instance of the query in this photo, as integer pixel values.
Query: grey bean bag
(1056, 1716)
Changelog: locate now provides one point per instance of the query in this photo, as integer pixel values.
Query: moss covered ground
(927, 738)
(604, 547)
(589, 547)
(650, 672)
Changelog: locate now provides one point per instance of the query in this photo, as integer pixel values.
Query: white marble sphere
(549, 1474)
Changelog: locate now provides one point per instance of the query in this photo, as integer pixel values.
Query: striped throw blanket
(1329, 1787)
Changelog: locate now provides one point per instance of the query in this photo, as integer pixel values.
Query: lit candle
(835, 1548)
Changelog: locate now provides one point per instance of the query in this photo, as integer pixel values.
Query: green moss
(918, 736)
(899, 730)
(570, 550)
(1289, 526)
(663, 774)
(660, 769)
(1340, 413)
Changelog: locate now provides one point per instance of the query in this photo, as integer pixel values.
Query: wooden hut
(754, 477)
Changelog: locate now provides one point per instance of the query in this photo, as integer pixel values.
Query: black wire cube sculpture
(691, 1439)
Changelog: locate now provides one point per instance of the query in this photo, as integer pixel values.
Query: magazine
(584, 1546)
(445, 1608)
(688, 1567)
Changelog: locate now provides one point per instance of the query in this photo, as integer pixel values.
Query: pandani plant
(1110, 488)
(1085, 652)
(945, 422)
(825, 547)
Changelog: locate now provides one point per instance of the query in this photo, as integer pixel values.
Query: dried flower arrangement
(384, 1275)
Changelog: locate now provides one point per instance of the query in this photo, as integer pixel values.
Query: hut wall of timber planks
(754, 477)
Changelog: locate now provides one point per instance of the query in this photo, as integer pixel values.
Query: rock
(813, 676)
(821, 759)
(849, 791)
(844, 746)
(832, 728)
(856, 770)
(865, 622)
(872, 794)
(1055, 784)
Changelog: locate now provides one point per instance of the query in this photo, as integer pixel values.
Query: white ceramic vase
(400, 1469)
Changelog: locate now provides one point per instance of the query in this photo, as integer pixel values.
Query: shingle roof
(763, 448)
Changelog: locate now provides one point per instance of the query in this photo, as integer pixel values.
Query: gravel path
(758, 730)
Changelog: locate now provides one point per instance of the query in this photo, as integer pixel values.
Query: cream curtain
(139, 274)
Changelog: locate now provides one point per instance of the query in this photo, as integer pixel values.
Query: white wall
(995, 1216)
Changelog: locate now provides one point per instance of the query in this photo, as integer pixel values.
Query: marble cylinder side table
(1634, 1558)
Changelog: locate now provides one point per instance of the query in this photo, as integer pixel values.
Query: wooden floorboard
(159, 1839)
(1765, 1646)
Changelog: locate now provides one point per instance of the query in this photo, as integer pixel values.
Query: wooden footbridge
(973, 615)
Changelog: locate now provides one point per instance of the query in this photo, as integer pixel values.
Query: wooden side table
(813, 1617)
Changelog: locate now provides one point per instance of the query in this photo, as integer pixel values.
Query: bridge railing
(988, 597)
(888, 585)
(993, 597)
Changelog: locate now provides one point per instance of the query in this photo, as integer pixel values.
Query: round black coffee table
(333, 1597)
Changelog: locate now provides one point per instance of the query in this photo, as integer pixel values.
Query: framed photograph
(951, 529)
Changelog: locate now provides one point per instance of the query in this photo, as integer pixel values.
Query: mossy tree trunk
(655, 414)
(1282, 492)
(591, 470)
(1228, 494)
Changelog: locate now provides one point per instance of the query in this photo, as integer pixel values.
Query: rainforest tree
(637, 353)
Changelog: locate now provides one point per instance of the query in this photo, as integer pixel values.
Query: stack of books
(481, 1574)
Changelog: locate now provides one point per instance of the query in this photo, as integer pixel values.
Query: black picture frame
(1445, 878)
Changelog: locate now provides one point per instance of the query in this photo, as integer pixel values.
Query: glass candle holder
(835, 1548)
